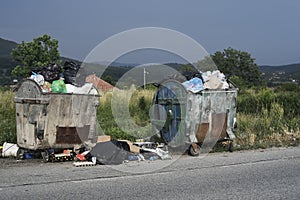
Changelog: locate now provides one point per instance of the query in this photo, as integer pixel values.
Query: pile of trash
(209, 80)
(114, 152)
(104, 151)
(53, 78)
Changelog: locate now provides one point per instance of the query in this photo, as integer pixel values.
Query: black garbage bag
(111, 152)
(70, 72)
(50, 72)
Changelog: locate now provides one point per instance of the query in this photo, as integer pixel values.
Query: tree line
(237, 65)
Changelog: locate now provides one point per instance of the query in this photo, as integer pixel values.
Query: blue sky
(268, 29)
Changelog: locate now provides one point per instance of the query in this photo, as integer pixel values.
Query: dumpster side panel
(210, 115)
(29, 118)
(71, 119)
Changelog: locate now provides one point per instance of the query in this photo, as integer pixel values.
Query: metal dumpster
(53, 120)
(186, 118)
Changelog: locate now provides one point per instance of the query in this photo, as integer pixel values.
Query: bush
(288, 87)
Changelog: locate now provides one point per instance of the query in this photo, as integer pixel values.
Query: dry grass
(258, 131)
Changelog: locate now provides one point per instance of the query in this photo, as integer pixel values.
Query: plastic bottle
(133, 157)
(153, 158)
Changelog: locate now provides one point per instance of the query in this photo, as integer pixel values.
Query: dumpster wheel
(230, 146)
(194, 149)
(20, 154)
(45, 156)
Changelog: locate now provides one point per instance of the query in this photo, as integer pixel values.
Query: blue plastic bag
(194, 85)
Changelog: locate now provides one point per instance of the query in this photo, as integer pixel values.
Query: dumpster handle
(32, 100)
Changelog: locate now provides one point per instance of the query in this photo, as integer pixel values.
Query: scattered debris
(10, 150)
(110, 152)
(153, 158)
(152, 145)
(103, 138)
(84, 164)
(132, 148)
(82, 156)
(67, 155)
(93, 162)
(164, 155)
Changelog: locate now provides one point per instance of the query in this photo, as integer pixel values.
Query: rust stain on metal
(219, 125)
(67, 135)
(202, 131)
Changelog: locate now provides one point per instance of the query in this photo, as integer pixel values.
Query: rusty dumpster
(53, 120)
(194, 119)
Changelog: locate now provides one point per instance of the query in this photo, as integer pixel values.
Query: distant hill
(282, 73)
(6, 46)
(272, 74)
(6, 61)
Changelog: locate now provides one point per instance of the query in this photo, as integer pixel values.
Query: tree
(206, 64)
(236, 63)
(40, 52)
(109, 79)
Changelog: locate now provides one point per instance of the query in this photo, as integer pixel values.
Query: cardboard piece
(133, 148)
(103, 138)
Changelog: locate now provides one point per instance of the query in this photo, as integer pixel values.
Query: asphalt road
(259, 174)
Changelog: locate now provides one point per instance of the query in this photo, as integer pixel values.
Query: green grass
(132, 110)
(7, 118)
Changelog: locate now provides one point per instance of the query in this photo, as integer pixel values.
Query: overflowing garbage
(114, 152)
(53, 78)
(209, 80)
(195, 109)
(49, 73)
(104, 152)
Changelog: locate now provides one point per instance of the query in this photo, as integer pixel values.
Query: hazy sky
(268, 29)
